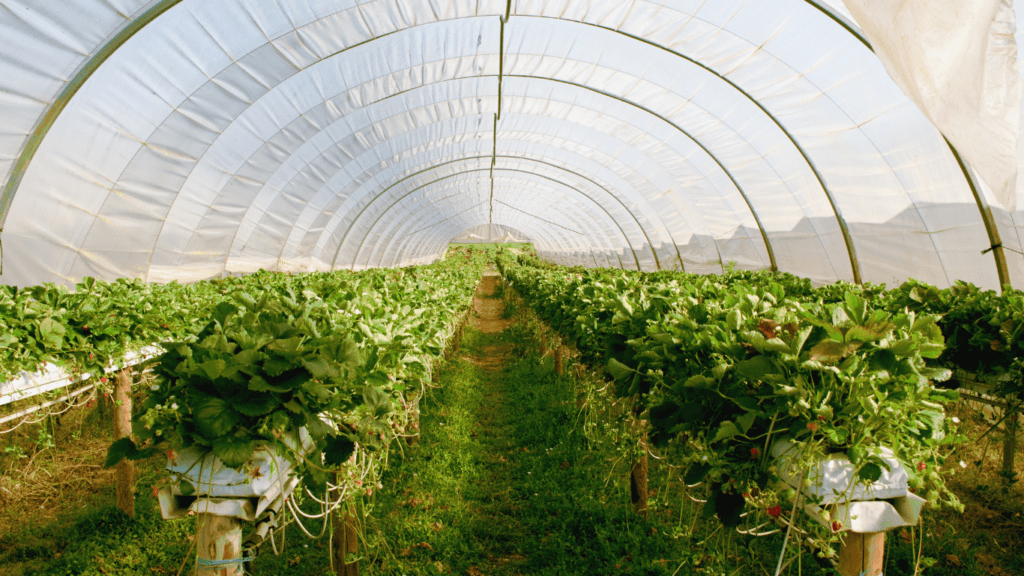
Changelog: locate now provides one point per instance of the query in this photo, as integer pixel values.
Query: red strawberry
(172, 455)
(746, 495)
(774, 511)
(837, 525)
(103, 379)
(812, 426)
(921, 466)
(155, 490)
(754, 452)
(92, 356)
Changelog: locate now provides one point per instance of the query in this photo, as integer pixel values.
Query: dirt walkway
(488, 305)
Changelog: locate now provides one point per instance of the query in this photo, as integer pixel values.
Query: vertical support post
(558, 360)
(412, 437)
(638, 485)
(638, 479)
(219, 539)
(862, 554)
(124, 472)
(1010, 445)
(344, 541)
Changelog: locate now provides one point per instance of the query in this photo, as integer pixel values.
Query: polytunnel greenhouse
(497, 287)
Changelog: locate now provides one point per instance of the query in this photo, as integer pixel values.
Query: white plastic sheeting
(958, 62)
(231, 135)
(490, 233)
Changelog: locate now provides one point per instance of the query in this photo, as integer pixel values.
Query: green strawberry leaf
(338, 450)
(213, 416)
(233, 451)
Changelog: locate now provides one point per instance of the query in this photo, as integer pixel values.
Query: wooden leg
(124, 472)
(862, 554)
(220, 538)
(558, 360)
(638, 481)
(412, 435)
(344, 541)
(1010, 447)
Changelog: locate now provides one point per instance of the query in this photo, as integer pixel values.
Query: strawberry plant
(727, 365)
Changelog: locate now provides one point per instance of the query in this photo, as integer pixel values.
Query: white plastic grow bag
(225, 491)
(861, 507)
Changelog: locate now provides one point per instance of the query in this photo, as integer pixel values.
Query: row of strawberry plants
(336, 358)
(728, 366)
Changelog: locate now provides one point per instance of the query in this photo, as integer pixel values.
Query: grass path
(502, 482)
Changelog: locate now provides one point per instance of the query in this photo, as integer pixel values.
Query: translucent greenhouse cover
(183, 139)
(490, 233)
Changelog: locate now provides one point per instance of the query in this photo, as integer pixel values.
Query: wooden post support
(542, 347)
(124, 472)
(558, 360)
(1010, 445)
(219, 538)
(638, 479)
(412, 435)
(862, 554)
(344, 541)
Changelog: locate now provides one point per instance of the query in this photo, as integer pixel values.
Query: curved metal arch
(844, 229)
(71, 87)
(361, 212)
(436, 240)
(764, 235)
(642, 229)
(443, 238)
(564, 169)
(126, 33)
(610, 194)
(337, 251)
(396, 234)
(133, 27)
(757, 219)
(130, 28)
(399, 199)
(575, 215)
(594, 239)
